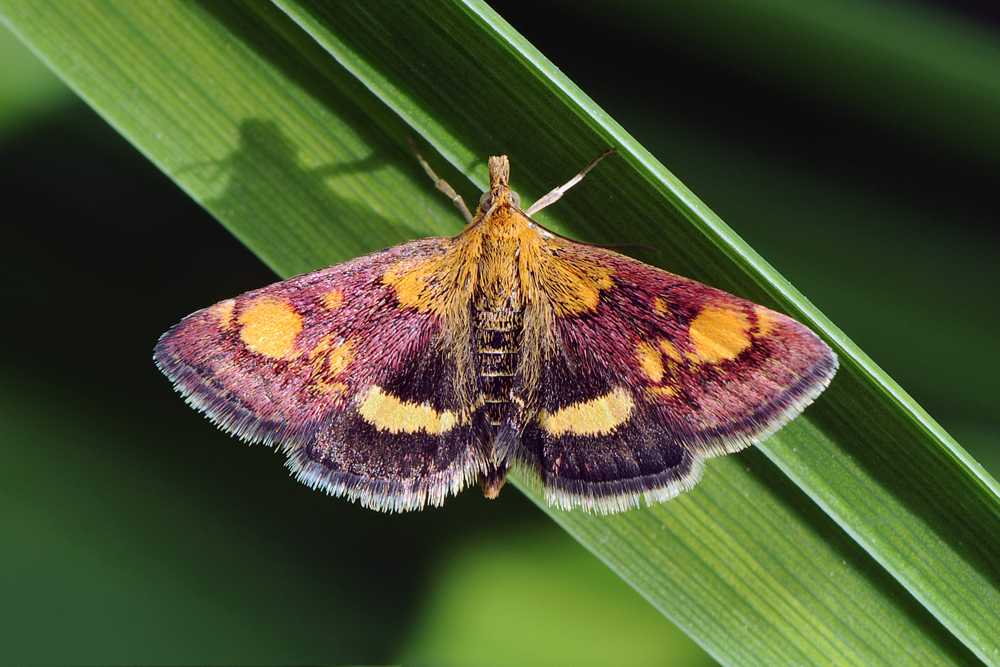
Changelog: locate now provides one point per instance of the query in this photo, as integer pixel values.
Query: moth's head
(499, 195)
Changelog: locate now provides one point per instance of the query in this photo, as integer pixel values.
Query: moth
(399, 378)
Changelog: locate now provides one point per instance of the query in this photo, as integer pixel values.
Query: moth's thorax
(506, 239)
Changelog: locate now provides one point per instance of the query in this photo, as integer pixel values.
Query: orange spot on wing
(766, 320)
(329, 360)
(333, 299)
(662, 392)
(649, 361)
(670, 350)
(719, 333)
(412, 282)
(660, 307)
(438, 283)
(270, 327)
(572, 283)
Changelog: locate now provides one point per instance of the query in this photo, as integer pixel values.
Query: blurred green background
(134, 532)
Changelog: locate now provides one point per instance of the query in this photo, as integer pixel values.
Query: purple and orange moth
(399, 378)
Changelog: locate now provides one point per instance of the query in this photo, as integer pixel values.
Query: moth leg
(557, 194)
(442, 185)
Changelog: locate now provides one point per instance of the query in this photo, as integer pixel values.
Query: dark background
(134, 532)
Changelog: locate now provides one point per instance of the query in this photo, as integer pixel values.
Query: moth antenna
(442, 184)
(557, 194)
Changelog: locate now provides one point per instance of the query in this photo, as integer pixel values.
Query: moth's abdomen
(498, 338)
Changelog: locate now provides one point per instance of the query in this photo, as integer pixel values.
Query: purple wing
(662, 374)
(354, 387)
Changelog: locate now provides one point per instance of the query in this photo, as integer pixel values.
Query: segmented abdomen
(498, 338)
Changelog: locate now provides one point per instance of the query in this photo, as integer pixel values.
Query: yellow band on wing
(599, 416)
(389, 413)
